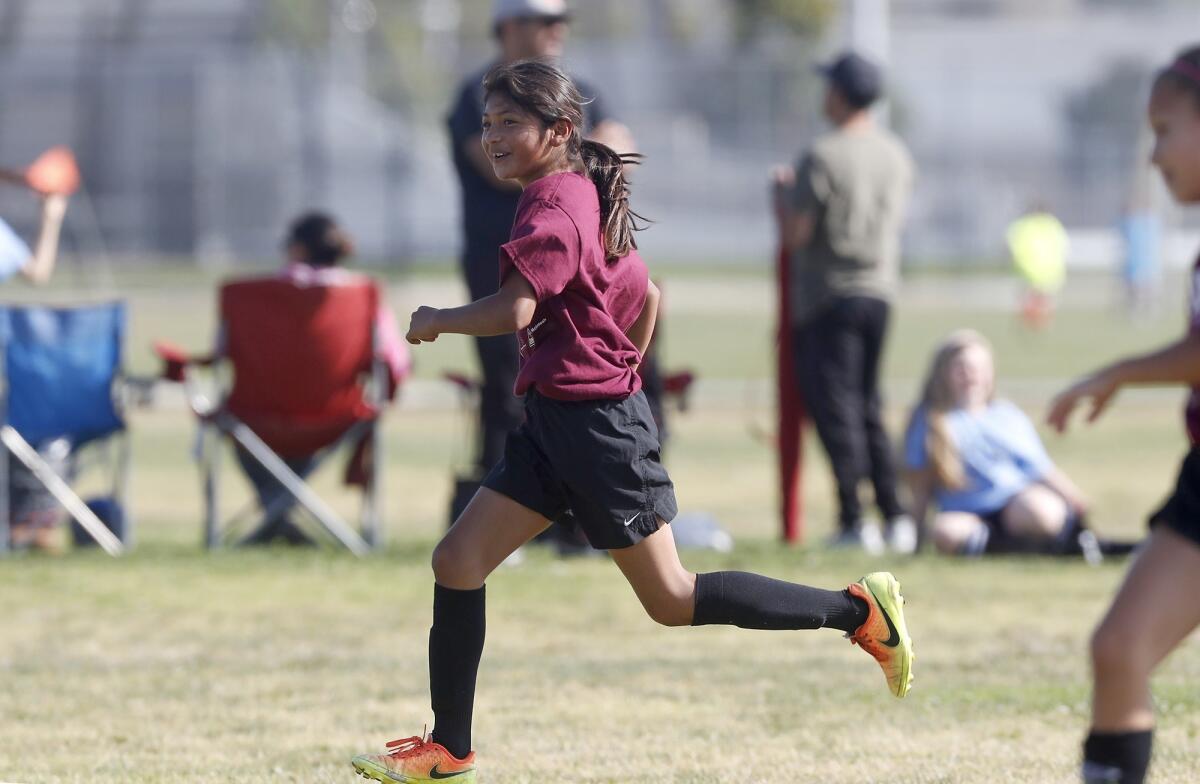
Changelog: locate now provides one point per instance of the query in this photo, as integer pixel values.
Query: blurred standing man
(523, 29)
(840, 212)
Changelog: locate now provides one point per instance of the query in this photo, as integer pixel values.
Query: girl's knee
(951, 531)
(455, 566)
(1038, 511)
(947, 542)
(670, 610)
(673, 603)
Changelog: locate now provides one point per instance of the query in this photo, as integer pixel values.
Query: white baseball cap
(503, 10)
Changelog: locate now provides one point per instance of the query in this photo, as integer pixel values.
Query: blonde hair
(937, 401)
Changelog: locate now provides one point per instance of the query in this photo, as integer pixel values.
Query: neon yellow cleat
(884, 635)
(416, 760)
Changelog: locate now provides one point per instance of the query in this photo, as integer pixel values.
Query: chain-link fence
(200, 132)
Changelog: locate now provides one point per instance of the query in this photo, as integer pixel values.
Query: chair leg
(60, 490)
(372, 500)
(211, 444)
(296, 486)
(5, 523)
(121, 487)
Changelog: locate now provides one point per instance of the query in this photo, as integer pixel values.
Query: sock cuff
(452, 603)
(709, 587)
(1119, 757)
(1117, 741)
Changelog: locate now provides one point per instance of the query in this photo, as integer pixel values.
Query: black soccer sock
(752, 601)
(1116, 757)
(455, 645)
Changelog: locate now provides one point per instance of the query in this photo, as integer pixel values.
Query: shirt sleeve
(1026, 444)
(915, 456)
(545, 249)
(14, 253)
(813, 187)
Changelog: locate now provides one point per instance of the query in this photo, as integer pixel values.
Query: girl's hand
(1076, 501)
(422, 327)
(1099, 388)
(783, 177)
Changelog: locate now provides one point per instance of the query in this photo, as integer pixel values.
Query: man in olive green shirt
(840, 211)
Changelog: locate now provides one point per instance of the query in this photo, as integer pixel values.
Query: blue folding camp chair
(61, 368)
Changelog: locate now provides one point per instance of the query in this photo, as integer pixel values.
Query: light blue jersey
(14, 253)
(1000, 450)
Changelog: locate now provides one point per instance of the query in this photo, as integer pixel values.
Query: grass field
(277, 665)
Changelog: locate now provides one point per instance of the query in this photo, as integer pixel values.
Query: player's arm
(41, 263)
(642, 329)
(473, 149)
(1177, 363)
(1060, 483)
(508, 310)
(921, 484)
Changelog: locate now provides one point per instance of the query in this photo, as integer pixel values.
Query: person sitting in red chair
(315, 248)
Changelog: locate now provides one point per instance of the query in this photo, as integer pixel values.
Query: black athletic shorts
(597, 458)
(1181, 512)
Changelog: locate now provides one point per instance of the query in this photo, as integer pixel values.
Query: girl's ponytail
(618, 221)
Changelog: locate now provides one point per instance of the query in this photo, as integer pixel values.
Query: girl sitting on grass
(979, 459)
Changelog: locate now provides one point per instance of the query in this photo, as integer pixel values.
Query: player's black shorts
(598, 458)
(1181, 512)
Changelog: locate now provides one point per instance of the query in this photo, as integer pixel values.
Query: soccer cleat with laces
(416, 760)
(884, 634)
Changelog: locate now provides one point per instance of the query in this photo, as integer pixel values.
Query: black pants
(268, 489)
(500, 411)
(838, 355)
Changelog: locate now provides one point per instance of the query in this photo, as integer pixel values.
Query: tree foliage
(802, 18)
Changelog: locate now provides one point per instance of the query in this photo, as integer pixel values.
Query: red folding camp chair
(306, 381)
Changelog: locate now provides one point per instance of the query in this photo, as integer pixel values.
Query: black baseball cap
(858, 79)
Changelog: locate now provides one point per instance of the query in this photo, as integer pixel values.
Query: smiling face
(1174, 115)
(969, 376)
(519, 145)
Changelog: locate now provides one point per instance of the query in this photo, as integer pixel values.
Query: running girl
(577, 294)
(1147, 619)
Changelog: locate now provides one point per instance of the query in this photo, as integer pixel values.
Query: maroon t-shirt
(1192, 412)
(575, 348)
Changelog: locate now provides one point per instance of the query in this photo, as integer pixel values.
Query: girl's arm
(1178, 363)
(921, 485)
(1060, 483)
(45, 251)
(642, 329)
(508, 310)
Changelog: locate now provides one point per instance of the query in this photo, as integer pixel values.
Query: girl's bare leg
(1151, 614)
(489, 530)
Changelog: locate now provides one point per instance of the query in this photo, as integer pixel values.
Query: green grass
(276, 665)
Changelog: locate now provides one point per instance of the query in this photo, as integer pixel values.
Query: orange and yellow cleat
(884, 634)
(416, 760)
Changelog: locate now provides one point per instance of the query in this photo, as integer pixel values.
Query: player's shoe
(884, 635)
(416, 760)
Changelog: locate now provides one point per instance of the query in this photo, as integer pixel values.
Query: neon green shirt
(1038, 244)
